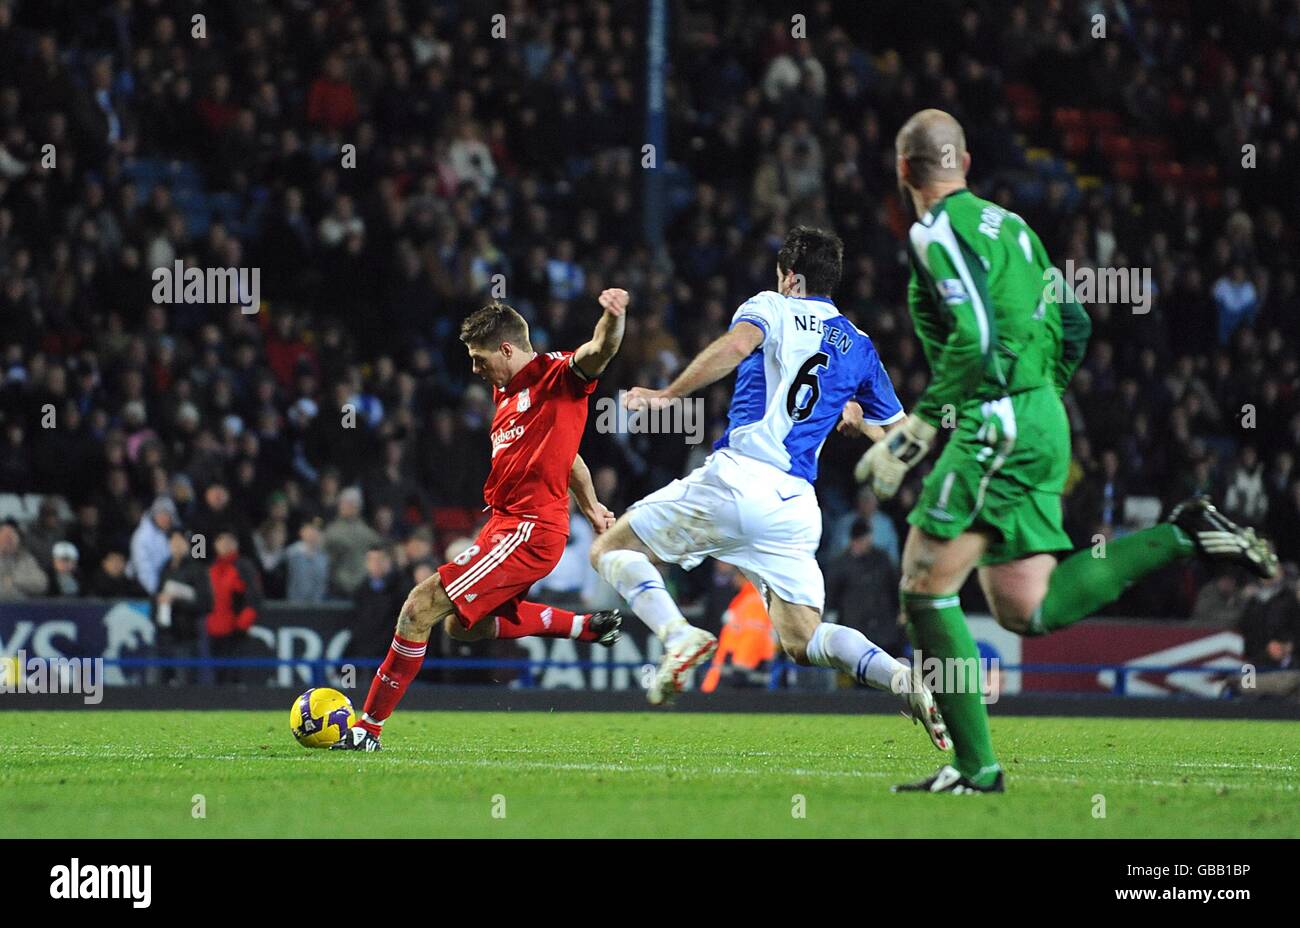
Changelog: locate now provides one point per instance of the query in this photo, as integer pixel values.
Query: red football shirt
(536, 430)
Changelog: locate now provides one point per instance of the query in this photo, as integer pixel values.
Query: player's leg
(933, 571)
(487, 583)
(627, 564)
(538, 619)
(424, 608)
(1015, 589)
(1033, 595)
(792, 582)
(1030, 595)
(508, 556)
(479, 631)
(528, 619)
(809, 641)
(727, 505)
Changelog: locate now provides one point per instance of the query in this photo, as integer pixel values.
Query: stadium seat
(1150, 148)
(1103, 121)
(1028, 114)
(1067, 118)
(1126, 169)
(1020, 94)
(1074, 142)
(1166, 172)
(1115, 146)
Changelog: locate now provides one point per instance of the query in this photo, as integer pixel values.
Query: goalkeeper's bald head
(931, 149)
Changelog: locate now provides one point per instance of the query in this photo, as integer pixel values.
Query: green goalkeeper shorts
(1002, 473)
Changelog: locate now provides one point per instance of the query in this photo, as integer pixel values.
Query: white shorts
(744, 512)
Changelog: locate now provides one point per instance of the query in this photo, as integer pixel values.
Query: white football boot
(921, 706)
(689, 648)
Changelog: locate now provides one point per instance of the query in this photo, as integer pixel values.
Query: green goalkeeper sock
(1081, 584)
(938, 630)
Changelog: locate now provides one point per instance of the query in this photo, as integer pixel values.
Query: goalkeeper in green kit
(1001, 350)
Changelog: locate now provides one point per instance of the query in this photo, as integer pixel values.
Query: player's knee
(797, 651)
(454, 629)
(1012, 621)
(915, 581)
(794, 642)
(421, 609)
(1014, 613)
(607, 559)
(413, 624)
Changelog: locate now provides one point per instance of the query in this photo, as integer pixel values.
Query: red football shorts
(491, 576)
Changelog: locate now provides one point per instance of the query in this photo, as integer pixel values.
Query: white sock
(640, 584)
(849, 650)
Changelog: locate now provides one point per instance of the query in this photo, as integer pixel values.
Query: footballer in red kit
(540, 415)
(541, 411)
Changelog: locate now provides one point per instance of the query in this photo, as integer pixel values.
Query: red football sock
(391, 680)
(544, 622)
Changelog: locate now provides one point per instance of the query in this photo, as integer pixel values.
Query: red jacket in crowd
(236, 594)
(331, 104)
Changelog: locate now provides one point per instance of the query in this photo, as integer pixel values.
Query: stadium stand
(381, 163)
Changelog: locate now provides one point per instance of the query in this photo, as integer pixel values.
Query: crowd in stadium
(385, 164)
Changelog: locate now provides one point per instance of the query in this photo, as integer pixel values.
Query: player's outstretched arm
(592, 357)
(584, 492)
(716, 361)
(852, 423)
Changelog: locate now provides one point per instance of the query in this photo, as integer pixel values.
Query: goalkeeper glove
(887, 462)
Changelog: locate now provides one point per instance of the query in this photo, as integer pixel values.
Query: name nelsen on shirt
(103, 881)
(238, 286)
(835, 337)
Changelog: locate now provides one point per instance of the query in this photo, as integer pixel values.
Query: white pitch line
(392, 760)
(1190, 765)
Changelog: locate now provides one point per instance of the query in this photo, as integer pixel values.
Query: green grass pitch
(484, 774)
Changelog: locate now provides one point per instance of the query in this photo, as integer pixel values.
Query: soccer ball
(320, 717)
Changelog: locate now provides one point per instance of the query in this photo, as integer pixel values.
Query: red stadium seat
(1021, 95)
(1125, 169)
(1103, 121)
(1166, 172)
(1066, 118)
(1151, 148)
(1116, 147)
(1028, 114)
(1075, 142)
(1202, 175)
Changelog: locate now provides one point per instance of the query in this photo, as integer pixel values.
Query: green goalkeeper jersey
(981, 304)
